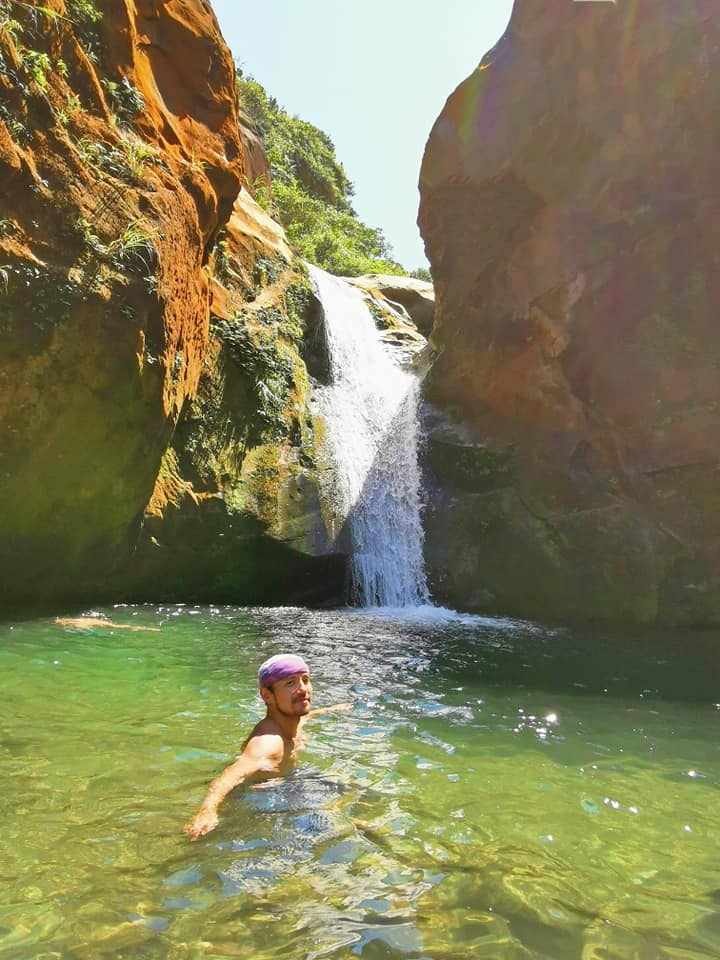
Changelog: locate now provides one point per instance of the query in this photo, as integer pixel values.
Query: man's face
(293, 695)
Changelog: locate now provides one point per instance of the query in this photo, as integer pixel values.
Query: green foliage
(138, 154)
(133, 251)
(297, 297)
(261, 193)
(72, 106)
(223, 262)
(296, 150)
(35, 11)
(9, 25)
(311, 192)
(87, 18)
(38, 66)
(127, 100)
(135, 248)
(83, 11)
(267, 371)
(40, 299)
(334, 239)
(421, 273)
(125, 161)
(266, 271)
(34, 67)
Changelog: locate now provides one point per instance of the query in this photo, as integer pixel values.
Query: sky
(373, 75)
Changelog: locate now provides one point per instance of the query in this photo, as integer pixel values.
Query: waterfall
(371, 414)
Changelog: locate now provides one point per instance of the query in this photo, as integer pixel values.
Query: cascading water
(371, 413)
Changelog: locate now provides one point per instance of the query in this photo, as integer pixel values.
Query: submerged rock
(570, 212)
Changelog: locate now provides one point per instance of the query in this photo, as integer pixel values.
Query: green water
(498, 791)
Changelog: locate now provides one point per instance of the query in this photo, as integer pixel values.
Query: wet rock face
(236, 514)
(571, 216)
(403, 309)
(403, 299)
(119, 161)
(128, 251)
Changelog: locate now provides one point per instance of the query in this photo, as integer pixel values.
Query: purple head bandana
(280, 666)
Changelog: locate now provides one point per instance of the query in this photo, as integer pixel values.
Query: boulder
(411, 299)
(570, 212)
(395, 306)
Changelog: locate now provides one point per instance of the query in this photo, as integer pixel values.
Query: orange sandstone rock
(120, 161)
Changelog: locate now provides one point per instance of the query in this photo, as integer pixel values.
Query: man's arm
(261, 755)
(336, 708)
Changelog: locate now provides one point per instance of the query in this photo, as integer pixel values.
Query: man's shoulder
(265, 741)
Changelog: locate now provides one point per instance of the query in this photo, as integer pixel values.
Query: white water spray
(371, 412)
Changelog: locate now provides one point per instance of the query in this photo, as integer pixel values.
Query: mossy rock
(474, 468)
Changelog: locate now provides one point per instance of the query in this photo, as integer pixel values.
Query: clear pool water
(500, 790)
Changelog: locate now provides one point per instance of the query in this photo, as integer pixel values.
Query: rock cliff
(152, 378)
(571, 215)
(236, 512)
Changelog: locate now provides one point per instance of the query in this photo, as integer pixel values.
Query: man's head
(279, 667)
(284, 682)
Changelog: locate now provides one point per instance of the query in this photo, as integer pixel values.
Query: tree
(310, 192)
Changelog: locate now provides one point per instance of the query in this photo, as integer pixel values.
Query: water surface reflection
(499, 790)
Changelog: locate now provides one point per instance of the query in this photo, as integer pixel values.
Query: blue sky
(374, 76)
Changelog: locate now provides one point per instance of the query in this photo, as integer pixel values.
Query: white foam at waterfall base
(371, 414)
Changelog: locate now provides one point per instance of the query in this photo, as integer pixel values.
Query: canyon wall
(571, 215)
(155, 436)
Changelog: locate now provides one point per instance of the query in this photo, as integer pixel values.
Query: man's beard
(294, 713)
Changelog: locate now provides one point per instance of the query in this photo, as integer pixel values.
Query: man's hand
(262, 755)
(203, 822)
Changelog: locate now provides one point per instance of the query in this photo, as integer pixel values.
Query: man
(271, 748)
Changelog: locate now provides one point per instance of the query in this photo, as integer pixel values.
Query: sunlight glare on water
(498, 790)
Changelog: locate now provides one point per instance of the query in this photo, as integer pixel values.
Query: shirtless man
(271, 748)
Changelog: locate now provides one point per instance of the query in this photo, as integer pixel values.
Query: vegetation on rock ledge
(310, 192)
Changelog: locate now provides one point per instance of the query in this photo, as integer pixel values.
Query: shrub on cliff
(310, 193)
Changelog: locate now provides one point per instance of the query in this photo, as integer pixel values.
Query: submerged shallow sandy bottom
(499, 790)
